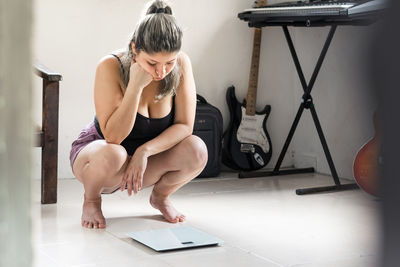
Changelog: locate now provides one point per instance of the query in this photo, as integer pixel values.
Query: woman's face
(157, 65)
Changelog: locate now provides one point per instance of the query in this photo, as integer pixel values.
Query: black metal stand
(306, 103)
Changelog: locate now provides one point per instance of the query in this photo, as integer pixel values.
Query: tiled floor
(262, 221)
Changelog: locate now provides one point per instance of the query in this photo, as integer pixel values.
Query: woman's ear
(133, 48)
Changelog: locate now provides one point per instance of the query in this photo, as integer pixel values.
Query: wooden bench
(47, 136)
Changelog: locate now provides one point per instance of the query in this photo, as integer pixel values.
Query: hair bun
(159, 6)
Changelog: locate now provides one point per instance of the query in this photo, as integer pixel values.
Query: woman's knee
(106, 162)
(196, 152)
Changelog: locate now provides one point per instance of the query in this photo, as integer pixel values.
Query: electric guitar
(247, 145)
(367, 162)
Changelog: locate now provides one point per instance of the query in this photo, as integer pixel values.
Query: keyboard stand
(306, 103)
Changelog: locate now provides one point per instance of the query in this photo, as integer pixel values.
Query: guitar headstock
(260, 3)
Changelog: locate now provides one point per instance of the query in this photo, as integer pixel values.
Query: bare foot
(165, 206)
(92, 216)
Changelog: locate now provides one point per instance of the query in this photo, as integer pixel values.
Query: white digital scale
(176, 238)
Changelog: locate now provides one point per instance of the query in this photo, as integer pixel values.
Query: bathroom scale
(174, 238)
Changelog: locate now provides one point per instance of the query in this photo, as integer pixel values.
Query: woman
(145, 100)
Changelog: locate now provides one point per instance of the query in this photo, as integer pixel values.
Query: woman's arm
(115, 110)
(185, 109)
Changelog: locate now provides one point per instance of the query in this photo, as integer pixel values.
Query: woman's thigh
(101, 159)
(188, 155)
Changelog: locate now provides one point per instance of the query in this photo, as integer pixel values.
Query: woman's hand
(138, 76)
(133, 177)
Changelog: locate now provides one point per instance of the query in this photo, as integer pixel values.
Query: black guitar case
(208, 126)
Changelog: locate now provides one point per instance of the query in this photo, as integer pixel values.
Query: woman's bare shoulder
(108, 62)
(183, 58)
(184, 62)
(109, 68)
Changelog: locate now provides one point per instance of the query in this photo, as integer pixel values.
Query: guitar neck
(251, 98)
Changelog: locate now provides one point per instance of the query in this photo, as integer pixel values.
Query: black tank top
(144, 128)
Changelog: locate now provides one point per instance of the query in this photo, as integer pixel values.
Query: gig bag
(208, 126)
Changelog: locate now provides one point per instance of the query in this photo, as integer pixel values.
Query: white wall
(71, 36)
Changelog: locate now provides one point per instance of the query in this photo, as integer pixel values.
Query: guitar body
(247, 145)
(367, 163)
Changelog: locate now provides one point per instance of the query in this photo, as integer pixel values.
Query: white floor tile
(352, 262)
(216, 256)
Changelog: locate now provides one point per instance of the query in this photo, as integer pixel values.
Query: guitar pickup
(247, 148)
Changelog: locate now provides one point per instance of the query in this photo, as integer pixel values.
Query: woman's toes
(95, 225)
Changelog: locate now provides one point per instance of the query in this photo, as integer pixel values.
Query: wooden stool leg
(50, 141)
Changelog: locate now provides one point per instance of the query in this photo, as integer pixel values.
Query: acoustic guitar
(368, 161)
(246, 144)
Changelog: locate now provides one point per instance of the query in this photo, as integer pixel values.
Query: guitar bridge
(247, 148)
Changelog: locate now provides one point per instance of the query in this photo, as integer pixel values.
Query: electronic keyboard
(307, 11)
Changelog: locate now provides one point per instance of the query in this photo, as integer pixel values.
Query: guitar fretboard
(251, 98)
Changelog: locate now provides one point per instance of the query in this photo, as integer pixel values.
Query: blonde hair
(156, 32)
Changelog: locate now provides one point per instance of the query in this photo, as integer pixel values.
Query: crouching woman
(145, 100)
